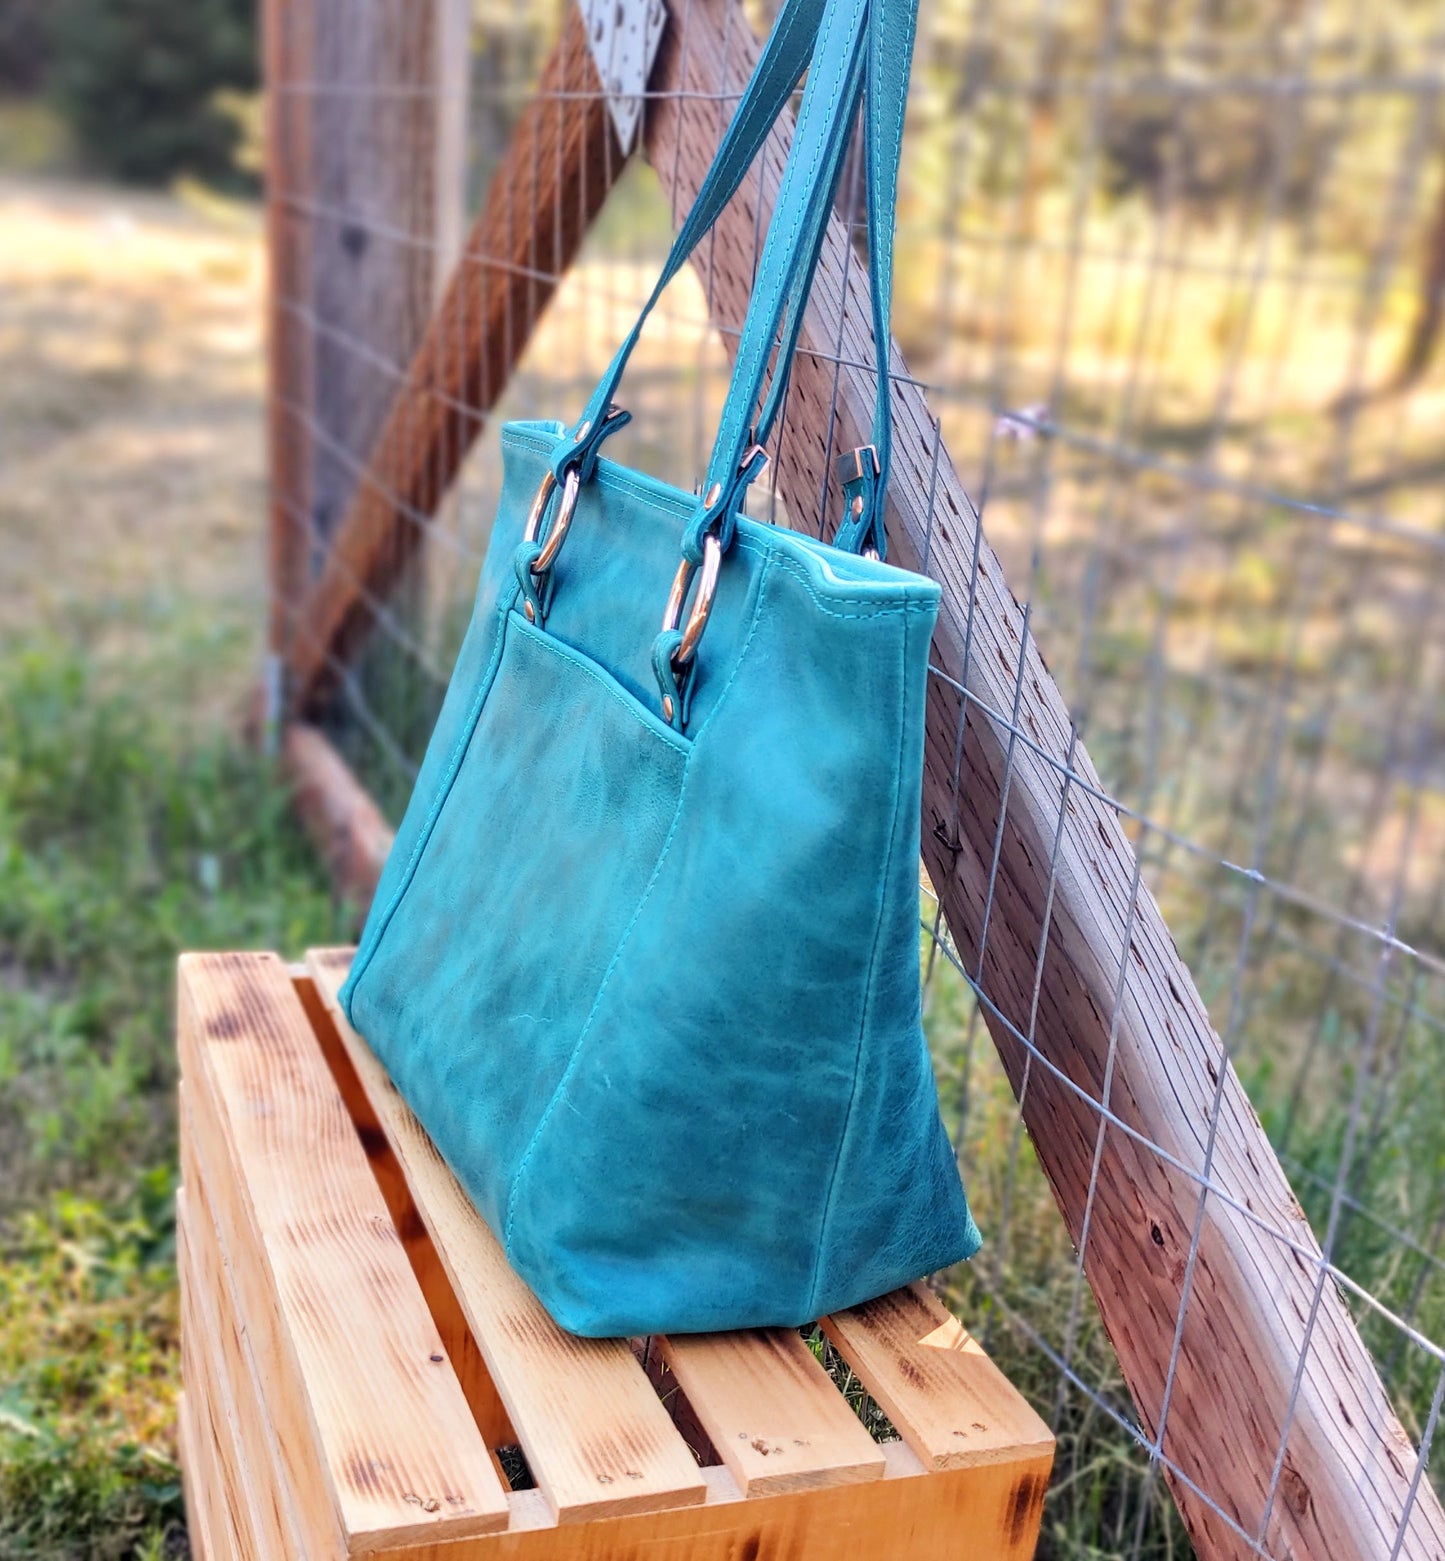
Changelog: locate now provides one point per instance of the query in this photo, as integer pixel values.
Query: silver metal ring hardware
(701, 607)
(707, 585)
(571, 487)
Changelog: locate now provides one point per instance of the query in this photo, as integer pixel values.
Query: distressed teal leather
(651, 983)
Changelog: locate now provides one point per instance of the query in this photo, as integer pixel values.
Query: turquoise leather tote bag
(645, 957)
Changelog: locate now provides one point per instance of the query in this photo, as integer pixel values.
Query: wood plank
(214, 1310)
(205, 1162)
(990, 1513)
(199, 1483)
(561, 163)
(244, 1463)
(398, 1446)
(1250, 1318)
(210, 1538)
(461, 1349)
(345, 823)
(949, 1401)
(771, 1411)
(222, 1479)
(461, 1346)
(596, 1436)
(198, 1524)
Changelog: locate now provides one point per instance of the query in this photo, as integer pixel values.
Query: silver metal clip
(850, 467)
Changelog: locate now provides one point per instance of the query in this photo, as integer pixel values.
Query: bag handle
(889, 38)
(890, 63)
(849, 39)
(785, 55)
(793, 42)
(738, 455)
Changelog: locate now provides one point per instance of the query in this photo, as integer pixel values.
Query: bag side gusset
(898, 1208)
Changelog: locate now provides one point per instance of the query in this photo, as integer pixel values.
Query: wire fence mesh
(1171, 278)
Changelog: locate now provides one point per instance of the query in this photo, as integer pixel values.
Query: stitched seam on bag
(614, 478)
(626, 937)
(365, 955)
(575, 658)
(879, 609)
(883, 349)
(618, 481)
(827, 1214)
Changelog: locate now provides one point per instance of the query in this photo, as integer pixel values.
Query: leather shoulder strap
(785, 55)
(790, 253)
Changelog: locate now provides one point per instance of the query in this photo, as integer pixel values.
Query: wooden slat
(949, 1401)
(561, 163)
(596, 1436)
(339, 814)
(206, 1162)
(220, 1477)
(1251, 1318)
(398, 1446)
(986, 1514)
(198, 1519)
(771, 1411)
(208, 1539)
(245, 1466)
(461, 1346)
(213, 1308)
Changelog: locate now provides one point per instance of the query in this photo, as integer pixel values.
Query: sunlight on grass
(88, 1337)
(122, 841)
(130, 427)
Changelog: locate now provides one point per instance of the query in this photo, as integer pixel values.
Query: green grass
(33, 137)
(1024, 1277)
(120, 844)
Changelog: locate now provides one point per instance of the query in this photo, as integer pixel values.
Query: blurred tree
(24, 44)
(144, 82)
(1430, 312)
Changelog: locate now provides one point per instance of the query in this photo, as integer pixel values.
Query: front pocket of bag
(540, 855)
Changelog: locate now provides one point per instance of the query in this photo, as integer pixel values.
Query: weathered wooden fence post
(286, 55)
(372, 208)
(558, 170)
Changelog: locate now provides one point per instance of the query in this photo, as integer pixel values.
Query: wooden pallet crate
(364, 1374)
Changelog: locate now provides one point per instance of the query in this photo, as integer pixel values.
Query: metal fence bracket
(623, 36)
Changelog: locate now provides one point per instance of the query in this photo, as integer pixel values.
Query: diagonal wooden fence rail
(558, 170)
(1246, 1370)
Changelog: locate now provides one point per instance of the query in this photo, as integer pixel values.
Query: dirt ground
(131, 451)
